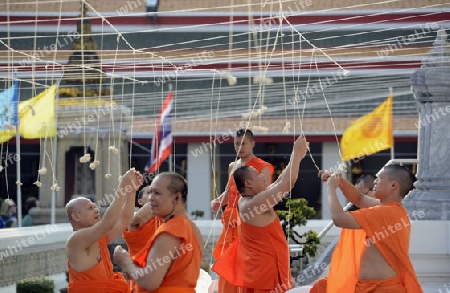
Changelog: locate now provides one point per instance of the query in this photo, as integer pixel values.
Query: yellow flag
(369, 134)
(37, 115)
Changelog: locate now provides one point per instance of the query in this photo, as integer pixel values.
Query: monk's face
(364, 190)
(383, 185)
(257, 181)
(162, 200)
(85, 213)
(243, 146)
(145, 196)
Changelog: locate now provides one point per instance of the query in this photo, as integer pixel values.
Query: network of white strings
(226, 97)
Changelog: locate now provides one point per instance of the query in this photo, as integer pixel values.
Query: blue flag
(9, 100)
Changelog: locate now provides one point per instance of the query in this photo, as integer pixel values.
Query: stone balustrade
(39, 250)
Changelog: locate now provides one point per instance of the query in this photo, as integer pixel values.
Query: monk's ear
(75, 217)
(395, 184)
(248, 183)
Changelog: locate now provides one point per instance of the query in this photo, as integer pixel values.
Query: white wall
(330, 159)
(199, 180)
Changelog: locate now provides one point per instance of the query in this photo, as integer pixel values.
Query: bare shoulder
(72, 248)
(197, 233)
(232, 166)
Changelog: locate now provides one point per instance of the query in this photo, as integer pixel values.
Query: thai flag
(162, 140)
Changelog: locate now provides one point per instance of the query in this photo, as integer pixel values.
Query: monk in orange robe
(243, 143)
(350, 241)
(170, 260)
(384, 264)
(258, 261)
(88, 259)
(142, 227)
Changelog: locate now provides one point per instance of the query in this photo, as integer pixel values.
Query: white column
(330, 160)
(199, 180)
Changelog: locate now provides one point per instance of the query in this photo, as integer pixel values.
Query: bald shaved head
(176, 184)
(240, 175)
(74, 204)
(403, 176)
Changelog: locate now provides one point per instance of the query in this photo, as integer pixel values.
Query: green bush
(35, 285)
(297, 213)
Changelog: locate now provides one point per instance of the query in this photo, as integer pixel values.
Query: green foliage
(297, 213)
(35, 285)
(198, 214)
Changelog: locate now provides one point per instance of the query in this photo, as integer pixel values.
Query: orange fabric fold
(224, 286)
(100, 278)
(391, 285)
(320, 286)
(185, 270)
(345, 261)
(258, 259)
(116, 285)
(229, 231)
(389, 228)
(136, 241)
(174, 290)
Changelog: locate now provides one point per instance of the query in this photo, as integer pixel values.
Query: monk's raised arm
(142, 216)
(223, 198)
(128, 208)
(84, 238)
(276, 191)
(351, 192)
(354, 196)
(159, 260)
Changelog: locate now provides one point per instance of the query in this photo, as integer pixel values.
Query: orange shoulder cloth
(258, 259)
(388, 227)
(136, 240)
(184, 272)
(99, 278)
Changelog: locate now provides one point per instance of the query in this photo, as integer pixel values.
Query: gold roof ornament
(83, 75)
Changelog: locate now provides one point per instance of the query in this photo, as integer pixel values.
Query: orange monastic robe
(136, 241)
(386, 226)
(344, 264)
(391, 285)
(229, 216)
(185, 270)
(320, 286)
(100, 278)
(257, 261)
(230, 219)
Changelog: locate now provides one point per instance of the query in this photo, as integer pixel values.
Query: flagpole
(391, 94)
(170, 156)
(54, 158)
(18, 183)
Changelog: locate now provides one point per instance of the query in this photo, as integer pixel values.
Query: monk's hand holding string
(120, 256)
(301, 146)
(324, 175)
(334, 180)
(215, 205)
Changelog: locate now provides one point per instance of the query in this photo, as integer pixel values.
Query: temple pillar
(431, 87)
